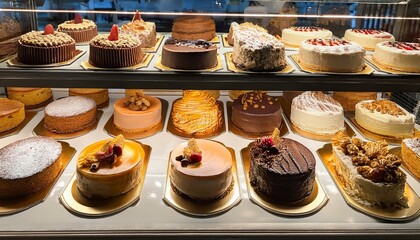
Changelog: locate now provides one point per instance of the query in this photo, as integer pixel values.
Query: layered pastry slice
(402, 56)
(144, 31)
(410, 153)
(367, 38)
(369, 172)
(12, 114)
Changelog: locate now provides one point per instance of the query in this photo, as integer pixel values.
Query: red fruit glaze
(78, 19)
(195, 158)
(137, 16)
(49, 29)
(113, 36)
(327, 42)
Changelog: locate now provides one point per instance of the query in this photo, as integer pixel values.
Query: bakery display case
(153, 209)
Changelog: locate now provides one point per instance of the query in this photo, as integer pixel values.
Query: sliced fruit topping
(78, 19)
(308, 29)
(368, 31)
(49, 29)
(327, 42)
(191, 155)
(113, 36)
(404, 45)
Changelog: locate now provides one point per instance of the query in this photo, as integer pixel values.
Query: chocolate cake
(81, 30)
(282, 169)
(194, 28)
(189, 54)
(256, 112)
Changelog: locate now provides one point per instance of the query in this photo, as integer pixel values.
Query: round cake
(196, 114)
(317, 113)
(194, 28)
(256, 112)
(282, 170)
(201, 170)
(115, 51)
(100, 95)
(109, 168)
(234, 94)
(45, 47)
(402, 56)
(189, 54)
(31, 97)
(144, 31)
(12, 114)
(28, 166)
(137, 113)
(348, 100)
(294, 36)
(331, 55)
(385, 117)
(367, 38)
(70, 114)
(81, 30)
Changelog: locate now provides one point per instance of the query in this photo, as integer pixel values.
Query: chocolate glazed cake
(189, 54)
(282, 170)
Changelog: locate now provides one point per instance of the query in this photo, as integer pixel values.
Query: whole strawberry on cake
(45, 47)
(115, 50)
(81, 30)
(144, 31)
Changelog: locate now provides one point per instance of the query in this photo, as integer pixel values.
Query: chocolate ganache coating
(282, 172)
(189, 54)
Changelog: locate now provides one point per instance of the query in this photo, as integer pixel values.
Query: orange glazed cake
(193, 28)
(144, 31)
(137, 113)
(81, 30)
(109, 168)
(410, 153)
(29, 96)
(12, 114)
(28, 166)
(100, 95)
(201, 170)
(70, 114)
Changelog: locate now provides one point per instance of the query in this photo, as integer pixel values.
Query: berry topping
(265, 142)
(136, 16)
(195, 158)
(49, 29)
(78, 18)
(308, 29)
(327, 42)
(368, 31)
(179, 158)
(403, 45)
(113, 36)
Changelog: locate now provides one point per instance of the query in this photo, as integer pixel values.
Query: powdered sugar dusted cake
(295, 35)
(367, 38)
(255, 50)
(403, 56)
(317, 113)
(331, 55)
(70, 114)
(28, 166)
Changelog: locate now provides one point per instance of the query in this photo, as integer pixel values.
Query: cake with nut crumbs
(144, 31)
(81, 30)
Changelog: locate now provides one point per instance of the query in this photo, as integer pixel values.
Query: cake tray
(202, 208)
(311, 204)
(232, 128)
(385, 69)
(323, 138)
(112, 130)
(159, 38)
(41, 131)
(397, 151)
(17, 205)
(171, 128)
(13, 55)
(164, 68)
(13, 62)
(405, 214)
(28, 117)
(366, 70)
(146, 60)
(231, 67)
(76, 203)
(376, 137)
(225, 41)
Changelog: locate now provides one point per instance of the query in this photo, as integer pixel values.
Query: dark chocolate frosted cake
(256, 112)
(282, 169)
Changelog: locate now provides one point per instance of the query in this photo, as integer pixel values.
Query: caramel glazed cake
(369, 172)
(28, 166)
(254, 50)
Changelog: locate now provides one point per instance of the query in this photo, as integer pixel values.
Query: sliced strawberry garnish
(49, 29)
(78, 18)
(137, 16)
(113, 36)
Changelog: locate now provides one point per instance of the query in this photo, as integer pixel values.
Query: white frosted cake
(295, 35)
(402, 56)
(385, 117)
(317, 113)
(367, 38)
(255, 50)
(331, 55)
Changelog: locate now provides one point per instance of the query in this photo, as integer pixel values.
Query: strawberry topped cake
(144, 31)
(81, 30)
(402, 56)
(367, 38)
(331, 55)
(115, 50)
(295, 35)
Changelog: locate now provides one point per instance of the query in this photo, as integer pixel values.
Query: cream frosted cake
(295, 35)
(402, 56)
(367, 38)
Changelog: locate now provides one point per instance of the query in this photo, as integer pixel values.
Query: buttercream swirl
(37, 38)
(70, 25)
(124, 41)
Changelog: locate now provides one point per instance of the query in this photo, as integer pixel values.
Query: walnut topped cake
(257, 51)
(81, 30)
